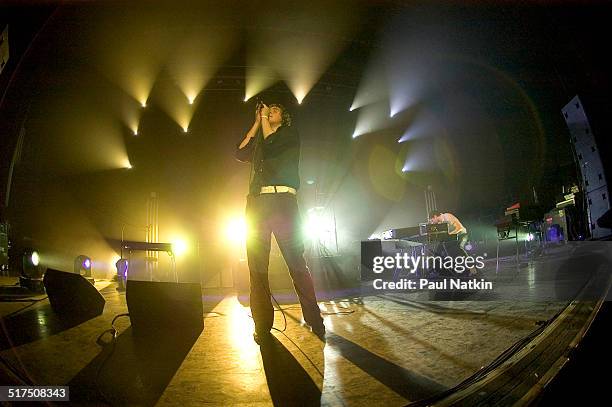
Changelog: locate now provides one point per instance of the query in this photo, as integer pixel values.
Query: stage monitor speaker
(369, 250)
(165, 307)
(376, 248)
(71, 294)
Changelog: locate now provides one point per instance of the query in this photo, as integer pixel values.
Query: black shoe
(262, 338)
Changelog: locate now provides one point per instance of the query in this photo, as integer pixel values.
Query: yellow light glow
(179, 246)
(172, 100)
(143, 104)
(236, 230)
(240, 330)
(113, 263)
(126, 163)
(135, 132)
(300, 87)
(297, 59)
(258, 79)
(199, 54)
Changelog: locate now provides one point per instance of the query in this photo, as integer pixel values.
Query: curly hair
(286, 117)
(434, 214)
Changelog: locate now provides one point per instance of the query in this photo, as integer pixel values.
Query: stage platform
(388, 348)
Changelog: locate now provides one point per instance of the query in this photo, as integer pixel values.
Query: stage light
(31, 274)
(314, 225)
(258, 78)
(143, 104)
(135, 132)
(320, 227)
(122, 266)
(35, 259)
(530, 237)
(82, 265)
(185, 129)
(299, 96)
(30, 263)
(236, 230)
(179, 247)
(373, 86)
(372, 118)
(126, 163)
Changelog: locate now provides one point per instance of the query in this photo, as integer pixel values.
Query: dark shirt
(275, 160)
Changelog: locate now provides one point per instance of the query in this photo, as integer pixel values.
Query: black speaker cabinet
(71, 294)
(590, 137)
(165, 307)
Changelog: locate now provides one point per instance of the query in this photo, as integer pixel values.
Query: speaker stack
(583, 137)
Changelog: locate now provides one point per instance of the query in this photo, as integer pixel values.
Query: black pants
(454, 248)
(462, 239)
(278, 214)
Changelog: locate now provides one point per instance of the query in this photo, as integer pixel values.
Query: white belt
(274, 189)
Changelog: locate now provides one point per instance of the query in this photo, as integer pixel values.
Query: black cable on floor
(282, 312)
(113, 342)
(32, 302)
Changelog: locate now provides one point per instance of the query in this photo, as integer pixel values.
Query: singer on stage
(273, 148)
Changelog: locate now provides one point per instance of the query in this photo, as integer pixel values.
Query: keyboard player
(455, 228)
